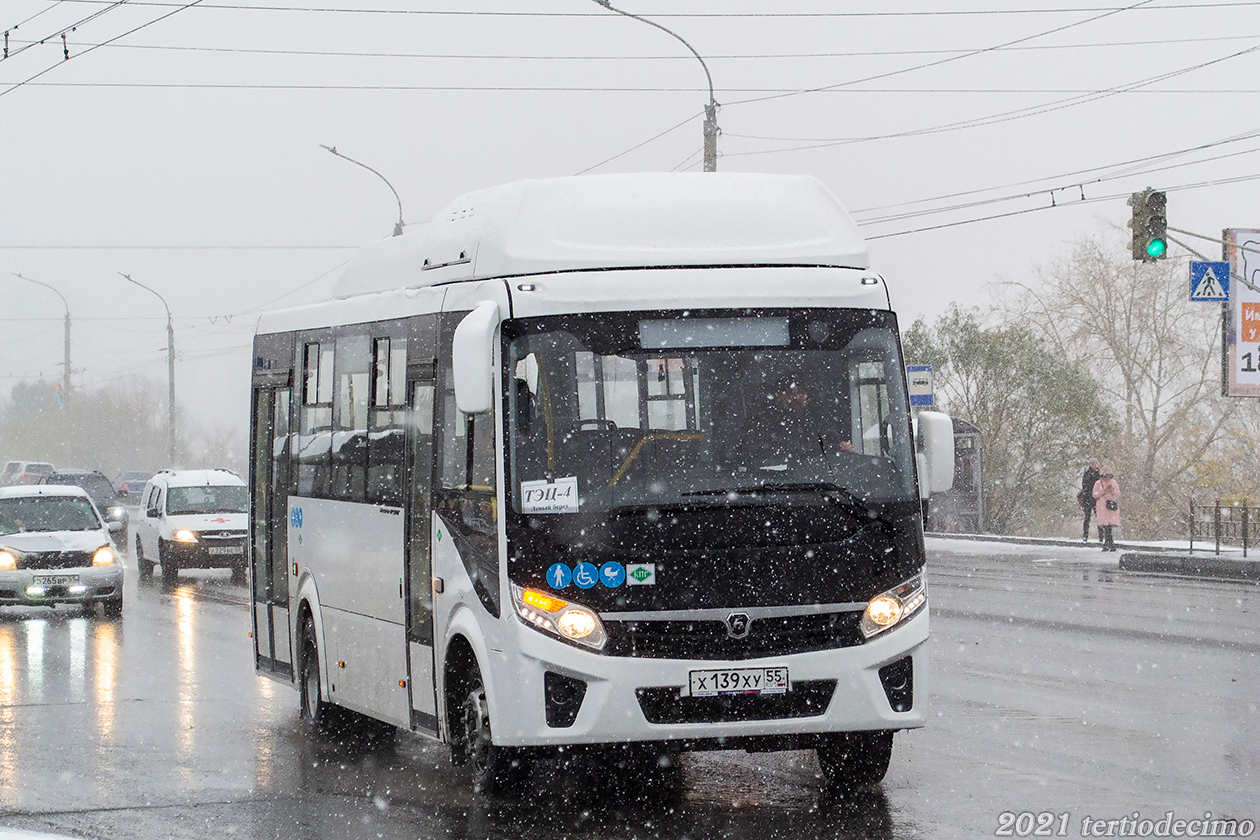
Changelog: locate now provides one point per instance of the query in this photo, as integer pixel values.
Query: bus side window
(387, 421)
(350, 420)
(314, 445)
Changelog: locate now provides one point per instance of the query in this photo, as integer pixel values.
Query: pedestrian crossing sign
(1209, 281)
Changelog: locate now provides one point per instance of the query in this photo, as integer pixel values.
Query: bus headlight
(888, 609)
(184, 536)
(571, 622)
(8, 560)
(104, 556)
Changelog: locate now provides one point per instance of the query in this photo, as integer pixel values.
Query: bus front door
(419, 558)
(269, 530)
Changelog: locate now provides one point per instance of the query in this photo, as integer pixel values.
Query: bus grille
(708, 639)
(808, 698)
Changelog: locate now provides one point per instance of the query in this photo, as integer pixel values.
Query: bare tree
(1156, 356)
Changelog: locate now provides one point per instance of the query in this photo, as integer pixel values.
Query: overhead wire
(1008, 116)
(131, 31)
(1090, 200)
(1049, 190)
(258, 7)
(669, 58)
(940, 62)
(44, 11)
(65, 30)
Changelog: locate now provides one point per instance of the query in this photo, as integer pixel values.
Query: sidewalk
(1169, 558)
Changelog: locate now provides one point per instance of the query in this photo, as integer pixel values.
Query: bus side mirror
(472, 359)
(936, 431)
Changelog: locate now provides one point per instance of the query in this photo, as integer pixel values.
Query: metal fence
(1220, 523)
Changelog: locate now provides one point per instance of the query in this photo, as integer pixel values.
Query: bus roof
(641, 220)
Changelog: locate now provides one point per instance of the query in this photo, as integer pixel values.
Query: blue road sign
(1209, 281)
(919, 381)
(559, 576)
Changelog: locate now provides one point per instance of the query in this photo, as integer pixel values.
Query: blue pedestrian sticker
(559, 576)
(612, 574)
(585, 575)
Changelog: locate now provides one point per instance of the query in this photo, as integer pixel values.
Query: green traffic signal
(1149, 225)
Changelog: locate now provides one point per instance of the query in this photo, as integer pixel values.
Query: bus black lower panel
(809, 698)
(709, 639)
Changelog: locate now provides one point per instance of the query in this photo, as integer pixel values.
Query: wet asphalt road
(1060, 686)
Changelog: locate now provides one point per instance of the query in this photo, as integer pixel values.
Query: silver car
(56, 549)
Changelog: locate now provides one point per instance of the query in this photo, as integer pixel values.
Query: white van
(192, 519)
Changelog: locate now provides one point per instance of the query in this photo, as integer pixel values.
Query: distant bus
(600, 462)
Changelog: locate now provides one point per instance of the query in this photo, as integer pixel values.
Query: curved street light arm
(398, 226)
(127, 277)
(46, 286)
(607, 4)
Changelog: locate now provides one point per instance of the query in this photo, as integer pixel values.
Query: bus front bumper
(627, 700)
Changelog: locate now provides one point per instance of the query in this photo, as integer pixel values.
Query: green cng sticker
(641, 574)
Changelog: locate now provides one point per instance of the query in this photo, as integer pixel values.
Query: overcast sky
(180, 142)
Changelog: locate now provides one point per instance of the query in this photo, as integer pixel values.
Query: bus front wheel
(496, 770)
(315, 712)
(855, 760)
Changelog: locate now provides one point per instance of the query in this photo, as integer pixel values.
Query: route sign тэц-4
(1209, 281)
(1241, 363)
(919, 382)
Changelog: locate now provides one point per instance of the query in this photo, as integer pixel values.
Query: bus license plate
(738, 681)
(226, 549)
(55, 580)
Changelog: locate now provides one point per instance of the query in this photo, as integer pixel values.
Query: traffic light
(1149, 224)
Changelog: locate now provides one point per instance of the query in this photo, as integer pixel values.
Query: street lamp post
(398, 226)
(65, 374)
(710, 110)
(170, 368)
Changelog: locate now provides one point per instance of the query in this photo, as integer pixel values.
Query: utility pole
(170, 368)
(65, 374)
(710, 110)
(398, 226)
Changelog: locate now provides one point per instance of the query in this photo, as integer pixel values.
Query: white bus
(609, 461)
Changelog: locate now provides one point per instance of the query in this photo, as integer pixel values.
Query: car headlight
(8, 560)
(183, 535)
(571, 622)
(117, 512)
(888, 609)
(105, 556)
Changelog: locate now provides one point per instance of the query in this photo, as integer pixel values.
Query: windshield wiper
(831, 491)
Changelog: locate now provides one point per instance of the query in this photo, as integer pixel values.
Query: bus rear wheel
(855, 760)
(496, 770)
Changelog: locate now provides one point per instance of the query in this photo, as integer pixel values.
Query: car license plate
(711, 683)
(226, 549)
(55, 580)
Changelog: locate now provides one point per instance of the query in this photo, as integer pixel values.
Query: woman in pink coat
(1107, 494)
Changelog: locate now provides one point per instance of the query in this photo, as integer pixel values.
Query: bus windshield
(614, 410)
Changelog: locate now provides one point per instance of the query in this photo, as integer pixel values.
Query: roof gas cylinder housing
(642, 220)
